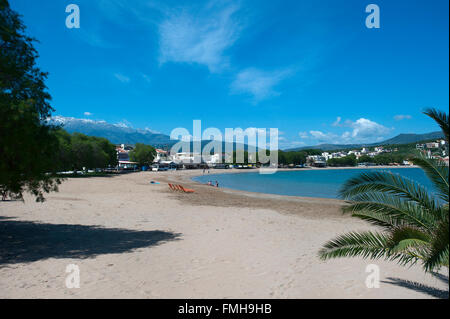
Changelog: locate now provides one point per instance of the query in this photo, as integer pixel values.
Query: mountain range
(116, 133)
(399, 139)
(123, 134)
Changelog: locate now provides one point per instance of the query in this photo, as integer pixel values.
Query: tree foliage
(77, 151)
(414, 223)
(349, 160)
(296, 157)
(27, 145)
(142, 154)
(365, 159)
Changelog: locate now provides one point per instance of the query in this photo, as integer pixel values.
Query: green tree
(414, 223)
(297, 158)
(349, 160)
(27, 145)
(64, 153)
(365, 159)
(142, 154)
(78, 150)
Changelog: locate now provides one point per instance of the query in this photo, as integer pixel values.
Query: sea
(324, 183)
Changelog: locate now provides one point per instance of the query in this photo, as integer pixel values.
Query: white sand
(211, 244)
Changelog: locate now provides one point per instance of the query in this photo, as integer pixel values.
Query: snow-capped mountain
(116, 133)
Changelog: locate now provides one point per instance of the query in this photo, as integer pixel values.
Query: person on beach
(217, 184)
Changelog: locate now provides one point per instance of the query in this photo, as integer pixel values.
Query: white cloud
(402, 117)
(122, 78)
(364, 129)
(87, 113)
(259, 84)
(199, 37)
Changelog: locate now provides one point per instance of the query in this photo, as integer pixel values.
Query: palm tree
(414, 223)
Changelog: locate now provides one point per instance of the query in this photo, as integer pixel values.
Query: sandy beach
(133, 239)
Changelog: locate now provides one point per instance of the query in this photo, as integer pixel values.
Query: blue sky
(309, 68)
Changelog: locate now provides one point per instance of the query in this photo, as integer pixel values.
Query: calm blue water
(309, 183)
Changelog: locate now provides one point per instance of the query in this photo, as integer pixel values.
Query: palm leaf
(410, 240)
(378, 219)
(439, 250)
(399, 211)
(364, 244)
(437, 172)
(387, 182)
(441, 118)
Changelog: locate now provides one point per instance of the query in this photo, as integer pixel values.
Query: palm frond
(437, 172)
(400, 212)
(441, 118)
(365, 244)
(378, 219)
(410, 240)
(439, 251)
(390, 183)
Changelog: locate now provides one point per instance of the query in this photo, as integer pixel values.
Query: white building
(161, 155)
(432, 145)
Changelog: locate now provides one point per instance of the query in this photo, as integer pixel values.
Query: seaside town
(365, 156)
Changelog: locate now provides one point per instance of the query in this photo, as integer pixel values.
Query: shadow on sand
(23, 241)
(431, 291)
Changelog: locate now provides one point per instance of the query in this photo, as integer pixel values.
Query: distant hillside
(119, 133)
(115, 133)
(412, 138)
(399, 139)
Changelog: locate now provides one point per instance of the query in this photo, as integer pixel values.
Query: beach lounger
(180, 188)
(177, 188)
(186, 190)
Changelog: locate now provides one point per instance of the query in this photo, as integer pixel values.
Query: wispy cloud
(146, 78)
(87, 114)
(199, 37)
(323, 137)
(402, 117)
(258, 83)
(122, 78)
(287, 144)
(93, 37)
(303, 134)
(337, 122)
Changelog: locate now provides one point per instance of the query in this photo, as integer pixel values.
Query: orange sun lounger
(180, 188)
(186, 190)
